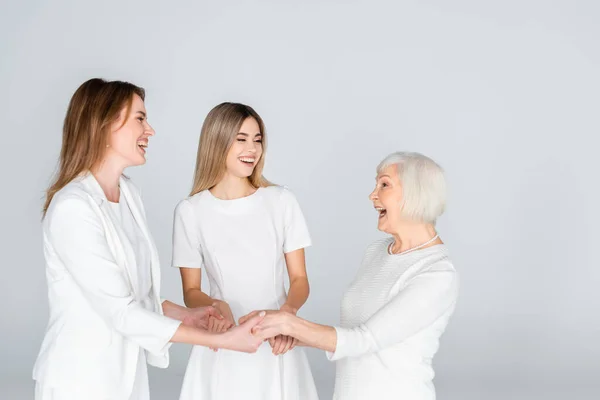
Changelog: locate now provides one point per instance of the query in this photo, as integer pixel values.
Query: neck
(413, 234)
(108, 174)
(232, 187)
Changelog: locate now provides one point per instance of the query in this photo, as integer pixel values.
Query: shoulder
(438, 269)
(281, 194)
(377, 246)
(70, 206)
(74, 192)
(192, 203)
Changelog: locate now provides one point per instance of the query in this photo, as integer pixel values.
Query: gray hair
(423, 185)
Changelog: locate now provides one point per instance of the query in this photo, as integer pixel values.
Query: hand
(199, 317)
(223, 324)
(224, 309)
(241, 338)
(274, 324)
(281, 344)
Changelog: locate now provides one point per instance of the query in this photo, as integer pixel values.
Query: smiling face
(387, 199)
(246, 150)
(129, 135)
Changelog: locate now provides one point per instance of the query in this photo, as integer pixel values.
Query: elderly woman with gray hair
(399, 304)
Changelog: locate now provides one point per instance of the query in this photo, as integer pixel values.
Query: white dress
(242, 243)
(392, 317)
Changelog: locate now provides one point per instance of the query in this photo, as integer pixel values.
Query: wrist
(288, 325)
(289, 309)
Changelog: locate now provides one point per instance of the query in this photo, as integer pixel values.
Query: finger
(225, 326)
(282, 345)
(214, 312)
(255, 320)
(211, 324)
(288, 345)
(294, 343)
(265, 333)
(276, 342)
(247, 317)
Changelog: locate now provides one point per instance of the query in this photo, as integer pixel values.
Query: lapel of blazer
(117, 239)
(136, 206)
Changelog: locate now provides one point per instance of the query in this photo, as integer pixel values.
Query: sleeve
(295, 235)
(186, 241)
(78, 238)
(426, 298)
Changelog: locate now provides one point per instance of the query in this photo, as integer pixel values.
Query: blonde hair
(423, 185)
(220, 128)
(94, 107)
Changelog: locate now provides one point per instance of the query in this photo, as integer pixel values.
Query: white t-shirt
(139, 244)
(241, 243)
(140, 248)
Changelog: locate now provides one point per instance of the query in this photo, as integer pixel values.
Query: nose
(252, 146)
(149, 130)
(373, 195)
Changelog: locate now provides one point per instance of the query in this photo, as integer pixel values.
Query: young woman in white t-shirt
(246, 232)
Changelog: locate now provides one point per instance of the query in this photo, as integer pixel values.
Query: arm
(428, 297)
(299, 288)
(193, 296)
(188, 257)
(77, 236)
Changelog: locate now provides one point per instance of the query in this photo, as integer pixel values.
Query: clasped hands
(273, 328)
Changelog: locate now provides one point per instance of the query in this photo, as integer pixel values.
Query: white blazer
(97, 324)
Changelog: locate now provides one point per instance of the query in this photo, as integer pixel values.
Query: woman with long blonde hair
(245, 232)
(107, 319)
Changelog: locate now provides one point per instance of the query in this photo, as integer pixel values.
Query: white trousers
(140, 391)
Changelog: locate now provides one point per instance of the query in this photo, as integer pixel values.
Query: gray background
(503, 94)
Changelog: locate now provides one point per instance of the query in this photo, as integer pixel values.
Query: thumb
(247, 317)
(254, 320)
(214, 311)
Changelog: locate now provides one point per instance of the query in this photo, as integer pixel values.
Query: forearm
(298, 293)
(197, 298)
(198, 337)
(310, 334)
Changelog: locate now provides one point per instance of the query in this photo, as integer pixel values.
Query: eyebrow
(141, 112)
(246, 135)
(382, 176)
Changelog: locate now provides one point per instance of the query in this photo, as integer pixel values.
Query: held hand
(241, 338)
(253, 314)
(281, 344)
(218, 326)
(225, 310)
(274, 324)
(199, 317)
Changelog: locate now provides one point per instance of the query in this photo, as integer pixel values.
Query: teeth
(142, 144)
(248, 160)
(379, 209)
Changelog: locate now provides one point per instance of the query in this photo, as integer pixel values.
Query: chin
(138, 162)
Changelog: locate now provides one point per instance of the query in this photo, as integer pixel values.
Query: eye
(258, 140)
(384, 184)
(241, 140)
(141, 119)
